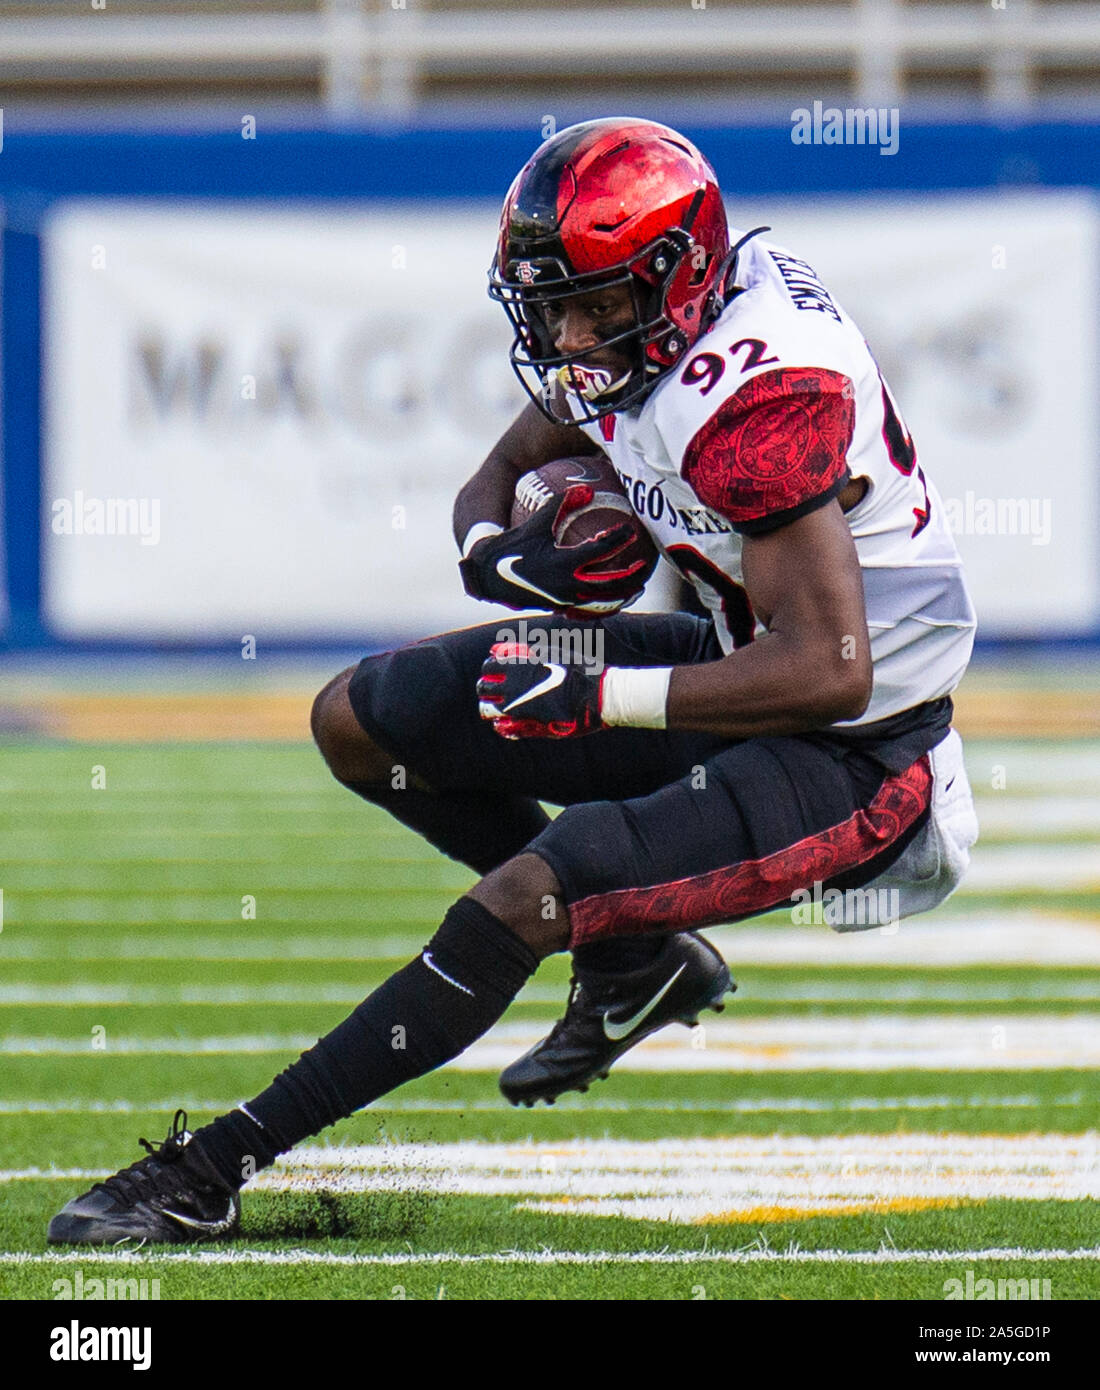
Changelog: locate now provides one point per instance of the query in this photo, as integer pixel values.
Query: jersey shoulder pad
(775, 449)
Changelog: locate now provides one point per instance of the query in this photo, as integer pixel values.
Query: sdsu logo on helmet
(614, 202)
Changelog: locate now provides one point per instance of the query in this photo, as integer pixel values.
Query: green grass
(474, 1227)
(123, 912)
(454, 1106)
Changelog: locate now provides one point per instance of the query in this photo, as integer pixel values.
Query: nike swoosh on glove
(526, 568)
(528, 698)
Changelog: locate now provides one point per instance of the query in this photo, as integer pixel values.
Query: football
(609, 507)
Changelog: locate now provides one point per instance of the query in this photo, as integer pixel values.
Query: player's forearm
(529, 442)
(776, 685)
(487, 497)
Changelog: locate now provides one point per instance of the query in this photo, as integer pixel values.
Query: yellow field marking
(202, 716)
(1027, 713)
(190, 718)
(752, 1215)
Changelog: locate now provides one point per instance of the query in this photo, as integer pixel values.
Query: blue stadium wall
(36, 169)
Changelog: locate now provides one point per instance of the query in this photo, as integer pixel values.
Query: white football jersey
(769, 415)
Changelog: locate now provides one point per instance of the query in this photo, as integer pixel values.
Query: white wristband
(635, 696)
(478, 532)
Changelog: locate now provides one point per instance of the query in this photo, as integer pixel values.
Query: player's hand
(526, 568)
(528, 698)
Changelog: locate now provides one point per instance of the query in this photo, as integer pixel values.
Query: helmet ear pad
(677, 284)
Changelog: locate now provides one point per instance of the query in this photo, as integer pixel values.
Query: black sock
(475, 828)
(427, 1013)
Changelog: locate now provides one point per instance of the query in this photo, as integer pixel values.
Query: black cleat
(173, 1195)
(608, 1014)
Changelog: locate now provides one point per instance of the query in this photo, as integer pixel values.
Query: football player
(714, 767)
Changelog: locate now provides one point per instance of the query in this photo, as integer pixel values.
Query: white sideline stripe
(998, 812)
(211, 996)
(1008, 938)
(214, 910)
(795, 1105)
(909, 1151)
(997, 868)
(1035, 990)
(1006, 869)
(1018, 816)
(230, 946)
(151, 1047)
(1030, 765)
(1019, 938)
(553, 1257)
(849, 1042)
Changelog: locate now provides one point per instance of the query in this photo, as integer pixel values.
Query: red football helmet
(619, 201)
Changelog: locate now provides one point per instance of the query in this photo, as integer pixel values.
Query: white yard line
(1020, 817)
(231, 945)
(1011, 938)
(852, 1042)
(1021, 766)
(151, 1047)
(866, 992)
(1005, 869)
(553, 1257)
(210, 996)
(998, 811)
(739, 1179)
(780, 1105)
(1008, 938)
(734, 1179)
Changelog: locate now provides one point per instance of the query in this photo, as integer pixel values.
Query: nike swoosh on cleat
(214, 1228)
(552, 681)
(506, 569)
(615, 1032)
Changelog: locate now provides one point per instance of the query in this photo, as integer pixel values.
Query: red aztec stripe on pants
(754, 885)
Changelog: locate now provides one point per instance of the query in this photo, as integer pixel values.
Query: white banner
(258, 418)
(4, 609)
(282, 404)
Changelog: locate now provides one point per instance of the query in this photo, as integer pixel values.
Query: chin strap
(723, 286)
(729, 269)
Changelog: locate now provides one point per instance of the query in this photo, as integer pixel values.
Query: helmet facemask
(566, 388)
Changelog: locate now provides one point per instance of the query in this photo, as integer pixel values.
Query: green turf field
(873, 1115)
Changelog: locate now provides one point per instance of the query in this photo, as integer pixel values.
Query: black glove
(528, 698)
(526, 568)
